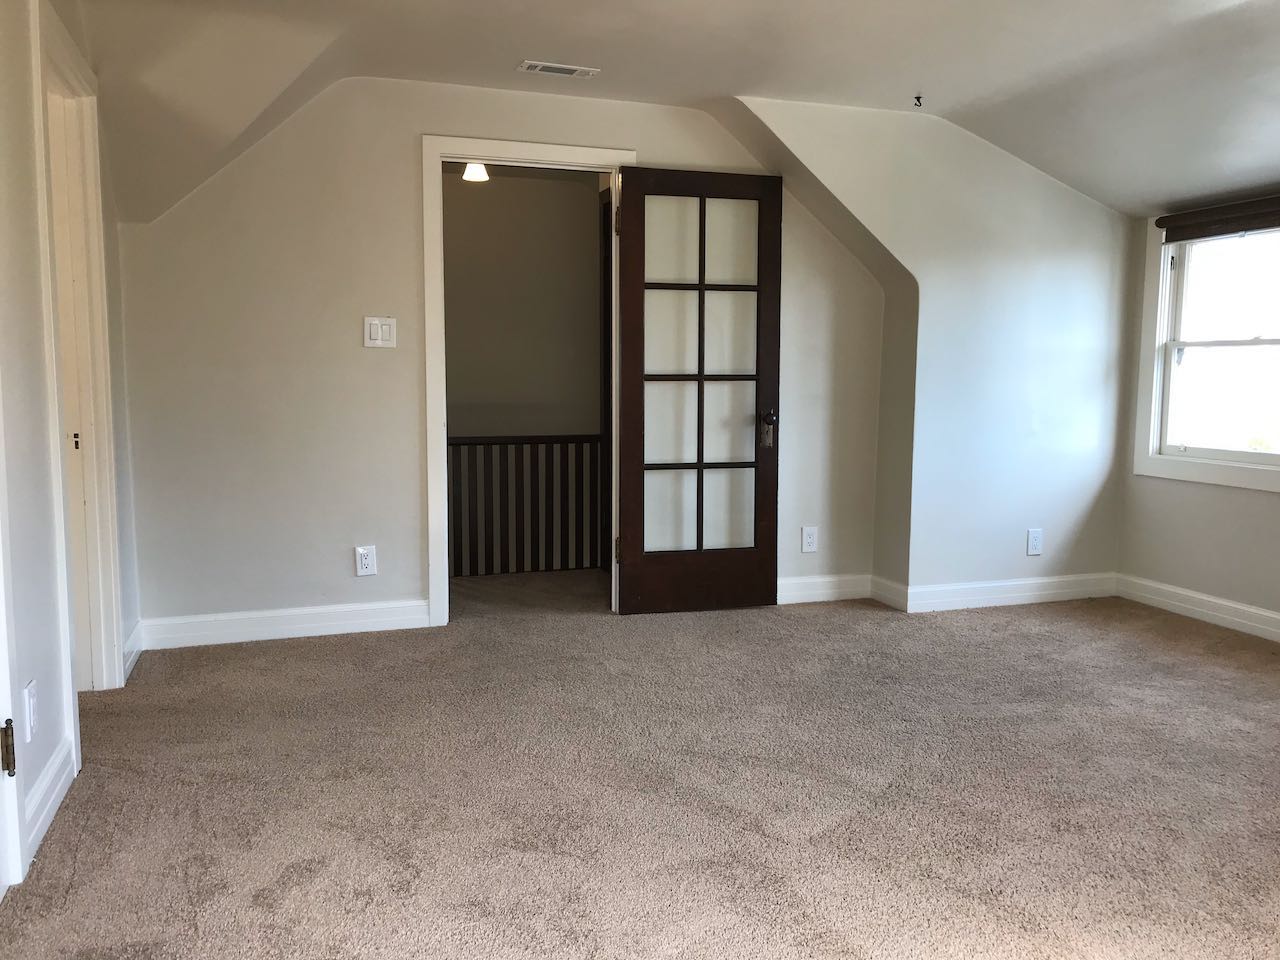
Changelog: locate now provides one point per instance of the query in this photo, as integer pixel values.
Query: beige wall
(832, 319)
(1021, 315)
(1000, 411)
(522, 302)
(1222, 541)
(267, 442)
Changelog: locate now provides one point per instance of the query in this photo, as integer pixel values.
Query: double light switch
(379, 331)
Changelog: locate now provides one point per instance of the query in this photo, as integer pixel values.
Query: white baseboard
(46, 793)
(1225, 613)
(889, 592)
(823, 588)
(163, 633)
(1000, 593)
(951, 596)
(133, 647)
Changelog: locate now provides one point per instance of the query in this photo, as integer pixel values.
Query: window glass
(1223, 378)
(1231, 290)
(1225, 398)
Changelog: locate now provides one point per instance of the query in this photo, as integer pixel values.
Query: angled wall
(895, 403)
(1019, 339)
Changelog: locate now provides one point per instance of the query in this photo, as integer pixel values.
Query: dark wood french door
(701, 262)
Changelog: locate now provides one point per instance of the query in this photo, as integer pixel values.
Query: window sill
(1250, 476)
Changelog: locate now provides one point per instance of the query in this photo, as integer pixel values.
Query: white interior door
(12, 825)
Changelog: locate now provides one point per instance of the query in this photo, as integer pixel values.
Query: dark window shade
(1223, 221)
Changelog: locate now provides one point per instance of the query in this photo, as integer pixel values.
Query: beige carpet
(542, 780)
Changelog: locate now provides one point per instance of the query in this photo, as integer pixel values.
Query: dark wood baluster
(455, 537)
(593, 492)
(473, 510)
(535, 510)
(489, 532)
(579, 506)
(520, 537)
(504, 508)
(549, 507)
(565, 481)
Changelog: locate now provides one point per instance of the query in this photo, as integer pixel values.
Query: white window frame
(1152, 456)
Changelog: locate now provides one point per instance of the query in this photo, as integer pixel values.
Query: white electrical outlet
(366, 561)
(808, 539)
(1035, 542)
(29, 700)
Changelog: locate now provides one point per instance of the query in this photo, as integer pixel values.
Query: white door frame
(29, 800)
(435, 151)
(65, 75)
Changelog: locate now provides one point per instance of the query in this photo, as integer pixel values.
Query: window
(1220, 355)
(1208, 400)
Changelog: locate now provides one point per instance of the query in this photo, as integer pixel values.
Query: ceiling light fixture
(475, 173)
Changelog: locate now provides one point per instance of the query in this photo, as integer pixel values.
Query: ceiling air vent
(556, 69)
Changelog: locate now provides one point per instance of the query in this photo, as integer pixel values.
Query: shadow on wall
(896, 418)
(832, 324)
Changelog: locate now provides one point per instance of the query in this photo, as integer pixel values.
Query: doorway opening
(528, 281)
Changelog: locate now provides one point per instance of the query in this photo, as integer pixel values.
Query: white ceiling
(1146, 105)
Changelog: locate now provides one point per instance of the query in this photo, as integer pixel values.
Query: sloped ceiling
(1146, 105)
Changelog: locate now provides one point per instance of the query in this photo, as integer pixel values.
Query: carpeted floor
(541, 780)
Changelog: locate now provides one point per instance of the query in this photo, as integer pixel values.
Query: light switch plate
(380, 332)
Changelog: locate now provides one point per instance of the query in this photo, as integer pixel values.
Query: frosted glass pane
(670, 331)
(728, 508)
(670, 422)
(729, 422)
(670, 510)
(671, 239)
(731, 332)
(732, 232)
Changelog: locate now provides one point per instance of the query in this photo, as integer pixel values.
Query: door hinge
(8, 758)
(617, 220)
(617, 549)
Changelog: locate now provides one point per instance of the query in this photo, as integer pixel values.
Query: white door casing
(74, 323)
(435, 151)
